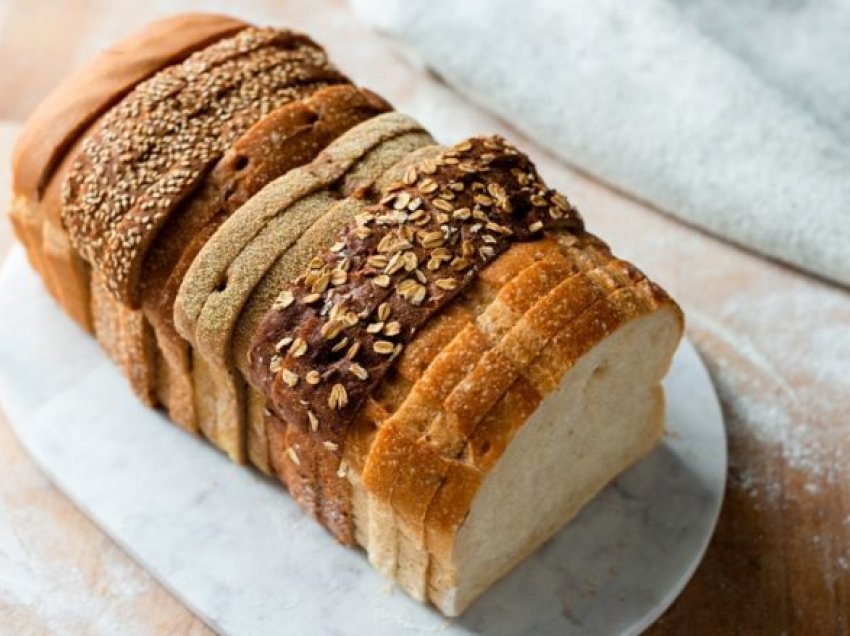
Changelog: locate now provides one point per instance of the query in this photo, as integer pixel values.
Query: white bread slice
(607, 413)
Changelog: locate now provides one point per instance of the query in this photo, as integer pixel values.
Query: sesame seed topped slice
(153, 148)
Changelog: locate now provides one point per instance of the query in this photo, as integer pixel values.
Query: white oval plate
(237, 550)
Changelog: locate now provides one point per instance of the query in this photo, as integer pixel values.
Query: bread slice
(607, 413)
(152, 150)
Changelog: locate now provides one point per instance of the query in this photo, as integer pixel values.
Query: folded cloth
(733, 116)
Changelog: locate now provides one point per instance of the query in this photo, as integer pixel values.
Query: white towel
(734, 116)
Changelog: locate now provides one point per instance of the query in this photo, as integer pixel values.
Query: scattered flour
(783, 373)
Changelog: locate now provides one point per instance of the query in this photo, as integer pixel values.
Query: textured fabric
(732, 116)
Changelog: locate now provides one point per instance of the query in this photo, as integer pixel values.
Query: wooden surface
(776, 341)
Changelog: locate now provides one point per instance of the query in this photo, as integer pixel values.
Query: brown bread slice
(326, 476)
(152, 149)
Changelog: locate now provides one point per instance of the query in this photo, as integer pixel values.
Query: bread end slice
(606, 414)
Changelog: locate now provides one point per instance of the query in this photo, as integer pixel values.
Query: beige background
(777, 343)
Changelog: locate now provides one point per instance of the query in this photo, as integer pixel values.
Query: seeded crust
(231, 264)
(382, 160)
(62, 119)
(286, 138)
(319, 469)
(152, 149)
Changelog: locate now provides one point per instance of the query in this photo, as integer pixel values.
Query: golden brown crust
(27, 225)
(68, 274)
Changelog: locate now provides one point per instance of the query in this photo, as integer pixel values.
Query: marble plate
(237, 551)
